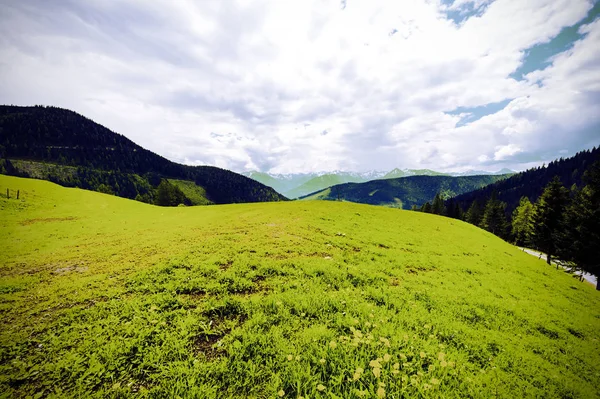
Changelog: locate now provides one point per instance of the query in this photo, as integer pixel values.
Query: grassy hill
(403, 192)
(64, 147)
(321, 182)
(106, 297)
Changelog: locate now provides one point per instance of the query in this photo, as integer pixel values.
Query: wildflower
(382, 384)
(297, 358)
(426, 386)
(320, 387)
(404, 378)
(332, 344)
(290, 357)
(403, 356)
(386, 358)
(435, 381)
(405, 337)
(375, 363)
(426, 326)
(355, 321)
(396, 366)
(441, 356)
(395, 372)
(360, 370)
(367, 324)
(431, 367)
(377, 372)
(422, 354)
(356, 376)
(371, 315)
(281, 393)
(451, 364)
(443, 363)
(361, 393)
(381, 393)
(322, 361)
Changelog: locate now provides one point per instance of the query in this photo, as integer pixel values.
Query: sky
(304, 86)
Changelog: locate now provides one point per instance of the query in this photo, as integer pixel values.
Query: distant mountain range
(296, 185)
(404, 192)
(64, 147)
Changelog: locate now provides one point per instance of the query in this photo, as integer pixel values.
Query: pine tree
(521, 222)
(547, 217)
(438, 205)
(474, 214)
(580, 239)
(494, 218)
(426, 208)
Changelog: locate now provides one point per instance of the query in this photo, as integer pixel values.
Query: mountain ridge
(105, 160)
(296, 185)
(403, 192)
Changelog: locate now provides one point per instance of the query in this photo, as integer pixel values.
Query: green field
(111, 298)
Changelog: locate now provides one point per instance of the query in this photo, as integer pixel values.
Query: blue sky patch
(538, 57)
(473, 114)
(467, 11)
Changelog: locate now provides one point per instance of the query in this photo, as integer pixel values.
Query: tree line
(563, 223)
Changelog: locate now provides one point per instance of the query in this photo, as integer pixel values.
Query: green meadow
(111, 298)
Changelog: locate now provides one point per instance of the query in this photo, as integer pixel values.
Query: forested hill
(56, 136)
(531, 183)
(404, 192)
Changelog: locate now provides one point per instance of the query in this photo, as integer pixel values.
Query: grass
(111, 298)
(195, 193)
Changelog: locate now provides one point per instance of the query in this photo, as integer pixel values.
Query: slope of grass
(321, 182)
(194, 192)
(110, 298)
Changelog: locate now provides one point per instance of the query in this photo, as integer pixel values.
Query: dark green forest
(404, 192)
(82, 153)
(530, 183)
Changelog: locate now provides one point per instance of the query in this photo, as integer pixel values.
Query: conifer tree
(547, 217)
(521, 222)
(426, 207)
(438, 205)
(474, 213)
(580, 239)
(494, 218)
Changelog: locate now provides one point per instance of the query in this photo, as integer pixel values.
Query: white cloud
(253, 84)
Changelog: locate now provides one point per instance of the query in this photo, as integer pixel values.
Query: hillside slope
(531, 183)
(321, 182)
(63, 138)
(403, 192)
(106, 297)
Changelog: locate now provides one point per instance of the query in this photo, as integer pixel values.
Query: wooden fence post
(18, 193)
(7, 193)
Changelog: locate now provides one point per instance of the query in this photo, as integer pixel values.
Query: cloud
(314, 85)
